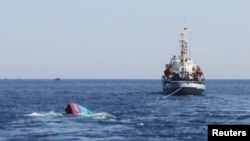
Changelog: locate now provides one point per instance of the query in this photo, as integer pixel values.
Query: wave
(103, 115)
(43, 114)
(99, 115)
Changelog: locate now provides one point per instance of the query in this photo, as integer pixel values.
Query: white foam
(103, 115)
(100, 115)
(42, 114)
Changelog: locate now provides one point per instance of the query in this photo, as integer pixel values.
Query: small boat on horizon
(182, 76)
(57, 79)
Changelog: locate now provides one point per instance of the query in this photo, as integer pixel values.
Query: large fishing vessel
(182, 76)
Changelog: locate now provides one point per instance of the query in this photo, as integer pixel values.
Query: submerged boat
(76, 109)
(182, 76)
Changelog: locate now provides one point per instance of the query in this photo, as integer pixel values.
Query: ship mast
(184, 51)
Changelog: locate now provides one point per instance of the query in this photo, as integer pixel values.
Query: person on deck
(199, 71)
(194, 73)
(168, 71)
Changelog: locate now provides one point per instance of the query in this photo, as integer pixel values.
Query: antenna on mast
(183, 45)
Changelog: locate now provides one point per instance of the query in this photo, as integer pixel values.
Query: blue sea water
(125, 110)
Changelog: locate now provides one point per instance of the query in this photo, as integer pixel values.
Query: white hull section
(183, 88)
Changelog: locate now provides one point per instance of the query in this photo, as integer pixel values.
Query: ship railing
(169, 79)
(189, 81)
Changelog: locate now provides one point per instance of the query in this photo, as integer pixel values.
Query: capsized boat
(182, 76)
(76, 109)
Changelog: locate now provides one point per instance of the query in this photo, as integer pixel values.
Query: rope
(169, 94)
(172, 93)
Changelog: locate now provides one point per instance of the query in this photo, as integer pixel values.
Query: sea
(124, 110)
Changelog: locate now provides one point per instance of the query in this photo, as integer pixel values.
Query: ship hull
(183, 88)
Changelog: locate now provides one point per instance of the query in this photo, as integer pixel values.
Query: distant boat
(182, 76)
(57, 79)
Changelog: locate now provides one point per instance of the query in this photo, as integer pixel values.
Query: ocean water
(125, 110)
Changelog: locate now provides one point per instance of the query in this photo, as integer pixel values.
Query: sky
(121, 39)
